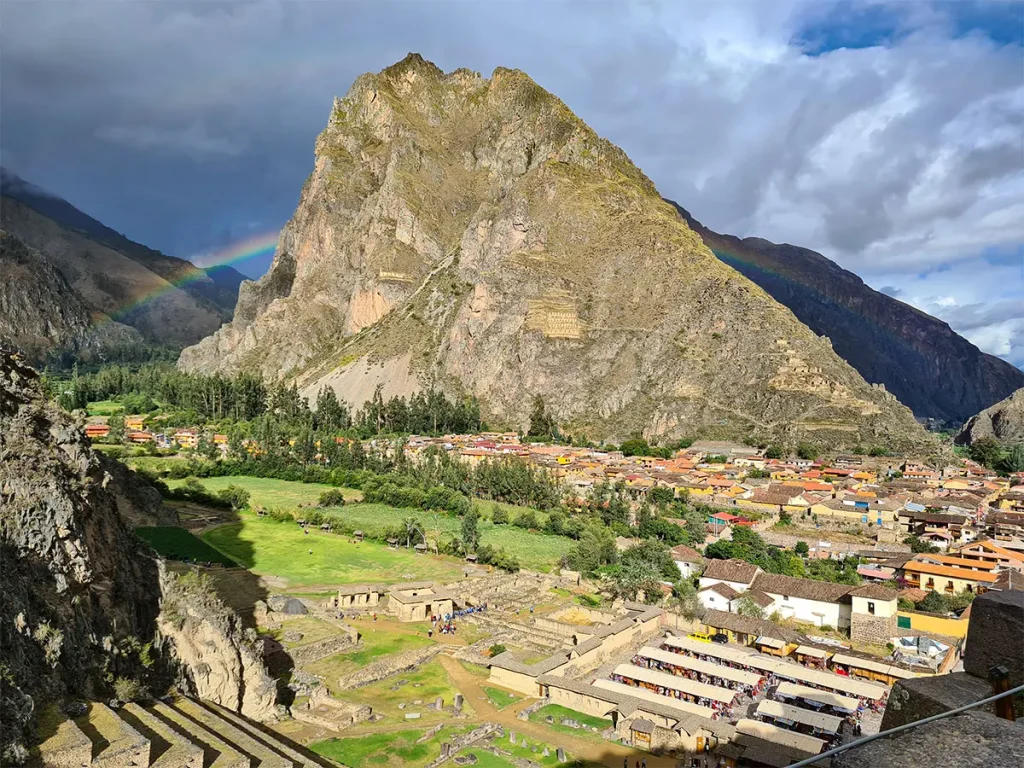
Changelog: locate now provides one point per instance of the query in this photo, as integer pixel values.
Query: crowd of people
(447, 621)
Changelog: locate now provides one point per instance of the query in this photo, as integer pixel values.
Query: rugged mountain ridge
(84, 602)
(110, 286)
(217, 285)
(1003, 422)
(40, 313)
(931, 369)
(474, 234)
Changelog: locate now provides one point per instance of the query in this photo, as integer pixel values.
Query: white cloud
(193, 140)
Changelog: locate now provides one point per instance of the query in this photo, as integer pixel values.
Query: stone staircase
(175, 733)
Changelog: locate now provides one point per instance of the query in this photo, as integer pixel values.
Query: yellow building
(946, 579)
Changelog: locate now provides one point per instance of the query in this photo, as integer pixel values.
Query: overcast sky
(888, 136)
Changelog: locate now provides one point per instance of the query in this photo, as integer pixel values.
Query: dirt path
(604, 752)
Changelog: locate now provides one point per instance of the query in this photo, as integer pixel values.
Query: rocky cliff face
(80, 605)
(1004, 422)
(40, 313)
(474, 234)
(921, 360)
(223, 661)
(107, 286)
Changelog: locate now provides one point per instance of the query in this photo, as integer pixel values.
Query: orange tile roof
(954, 573)
(961, 562)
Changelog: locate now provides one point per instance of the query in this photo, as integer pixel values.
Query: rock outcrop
(221, 660)
(474, 235)
(1003, 422)
(80, 604)
(931, 369)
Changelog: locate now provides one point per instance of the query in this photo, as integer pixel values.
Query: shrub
(331, 498)
(235, 496)
(526, 519)
(495, 649)
(499, 516)
(127, 689)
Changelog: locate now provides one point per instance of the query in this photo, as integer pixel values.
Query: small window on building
(949, 585)
(903, 622)
(786, 598)
(871, 608)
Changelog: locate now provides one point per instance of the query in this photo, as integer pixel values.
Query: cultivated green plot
(178, 544)
(398, 748)
(558, 713)
(268, 492)
(374, 645)
(499, 698)
(103, 408)
(270, 548)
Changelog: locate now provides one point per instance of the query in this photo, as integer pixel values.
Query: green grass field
(398, 748)
(178, 544)
(268, 492)
(536, 551)
(278, 549)
(499, 698)
(425, 684)
(103, 408)
(558, 712)
(375, 643)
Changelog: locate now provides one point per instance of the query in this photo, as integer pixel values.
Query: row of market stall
(868, 693)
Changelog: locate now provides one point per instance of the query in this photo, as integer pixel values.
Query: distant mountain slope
(43, 317)
(1003, 421)
(111, 285)
(475, 235)
(920, 359)
(221, 289)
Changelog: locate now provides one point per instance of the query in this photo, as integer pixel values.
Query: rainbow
(251, 247)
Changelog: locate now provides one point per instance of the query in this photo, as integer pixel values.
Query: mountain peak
(475, 235)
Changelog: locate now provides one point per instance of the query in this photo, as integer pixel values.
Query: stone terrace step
(264, 756)
(64, 745)
(272, 740)
(115, 743)
(217, 753)
(168, 748)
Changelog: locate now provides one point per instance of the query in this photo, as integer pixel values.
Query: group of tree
(990, 453)
(750, 546)
(245, 397)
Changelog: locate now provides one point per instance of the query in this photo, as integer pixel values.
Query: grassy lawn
(519, 750)
(432, 680)
(154, 463)
(103, 408)
(536, 551)
(398, 748)
(374, 644)
(268, 492)
(178, 544)
(500, 698)
(475, 669)
(558, 712)
(281, 549)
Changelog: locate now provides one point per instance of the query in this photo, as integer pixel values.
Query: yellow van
(703, 637)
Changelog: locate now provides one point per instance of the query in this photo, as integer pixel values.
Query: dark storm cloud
(178, 122)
